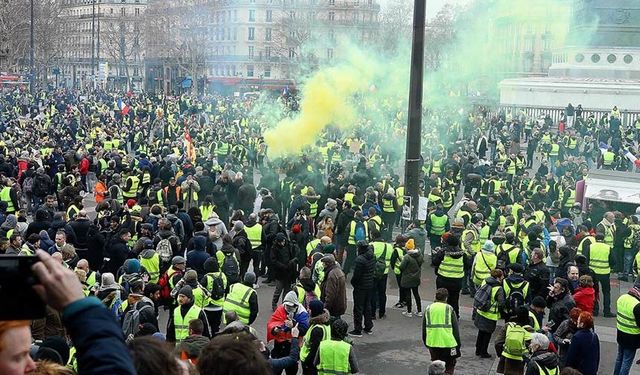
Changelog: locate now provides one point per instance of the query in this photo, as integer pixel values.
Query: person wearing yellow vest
(256, 238)
(150, 260)
(243, 299)
(484, 262)
(382, 252)
(437, 224)
(542, 361)
(487, 316)
(352, 240)
(608, 159)
(512, 342)
(440, 331)
(190, 188)
(319, 331)
(631, 235)
(336, 356)
(132, 183)
(600, 258)
(183, 314)
(9, 195)
(628, 329)
(607, 228)
(449, 265)
(471, 244)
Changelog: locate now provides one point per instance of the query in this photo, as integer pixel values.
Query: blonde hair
(51, 368)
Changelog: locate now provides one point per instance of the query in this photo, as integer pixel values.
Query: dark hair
(232, 354)
(196, 326)
(442, 294)
(152, 357)
(123, 231)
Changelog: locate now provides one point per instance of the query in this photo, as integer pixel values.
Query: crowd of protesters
(156, 203)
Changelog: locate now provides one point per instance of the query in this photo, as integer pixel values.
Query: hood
(147, 254)
(172, 217)
(320, 319)
(331, 204)
(10, 222)
(44, 236)
(291, 297)
(492, 281)
(413, 253)
(226, 248)
(454, 252)
(199, 243)
(308, 285)
(545, 358)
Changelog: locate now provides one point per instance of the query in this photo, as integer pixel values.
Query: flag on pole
(191, 151)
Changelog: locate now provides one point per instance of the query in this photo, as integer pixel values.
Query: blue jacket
(279, 364)
(98, 339)
(584, 341)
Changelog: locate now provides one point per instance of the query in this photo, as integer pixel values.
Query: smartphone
(19, 299)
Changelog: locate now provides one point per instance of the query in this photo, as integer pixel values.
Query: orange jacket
(100, 191)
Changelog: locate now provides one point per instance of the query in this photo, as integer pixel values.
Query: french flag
(124, 109)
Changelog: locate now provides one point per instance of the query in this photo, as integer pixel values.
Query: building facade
(250, 44)
(103, 42)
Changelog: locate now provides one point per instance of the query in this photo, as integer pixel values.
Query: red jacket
(84, 166)
(585, 298)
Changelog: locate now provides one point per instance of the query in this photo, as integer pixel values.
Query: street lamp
(414, 127)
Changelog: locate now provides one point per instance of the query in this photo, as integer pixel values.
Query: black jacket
(283, 261)
(364, 270)
(538, 277)
(542, 358)
(118, 252)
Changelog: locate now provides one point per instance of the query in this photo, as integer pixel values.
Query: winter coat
(538, 277)
(246, 197)
(419, 237)
(117, 251)
(559, 307)
(314, 337)
(197, 256)
(364, 270)
(585, 298)
(334, 290)
(487, 325)
(284, 261)
(584, 341)
(100, 347)
(81, 229)
(410, 269)
(541, 358)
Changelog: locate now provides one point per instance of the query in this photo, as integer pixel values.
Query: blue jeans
(629, 254)
(624, 360)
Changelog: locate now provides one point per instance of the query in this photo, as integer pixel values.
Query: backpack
(372, 226)
(482, 298)
(515, 298)
(217, 286)
(230, 268)
(27, 185)
(165, 288)
(381, 264)
(360, 233)
(131, 322)
(164, 250)
(514, 343)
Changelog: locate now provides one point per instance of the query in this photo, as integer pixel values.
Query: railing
(627, 117)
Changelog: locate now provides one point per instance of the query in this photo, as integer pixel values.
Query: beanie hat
(410, 245)
(131, 203)
(538, 301)
(238, 226)
(211, 265)
(186, 291)
(458, 223)
(190, 276)
(489, 246)
(329, 249)
(132, 266)
(316, 307)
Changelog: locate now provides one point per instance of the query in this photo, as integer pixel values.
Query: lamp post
(32, 58)
(414, 126)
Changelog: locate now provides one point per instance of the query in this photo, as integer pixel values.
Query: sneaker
(407, 314)
(355, 333)
(398, 305)
(369, 332)
(420, 314)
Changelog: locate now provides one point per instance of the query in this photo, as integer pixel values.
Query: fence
(627, 117)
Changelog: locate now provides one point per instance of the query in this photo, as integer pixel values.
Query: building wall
(118, 26)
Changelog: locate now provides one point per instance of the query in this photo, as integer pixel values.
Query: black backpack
(515, 298)
(482, 298)
(230, 268)
(216, 286)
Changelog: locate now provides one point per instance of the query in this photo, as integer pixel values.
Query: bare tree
(47, 35)
(14, 35)
(295, 35)
(122, 38)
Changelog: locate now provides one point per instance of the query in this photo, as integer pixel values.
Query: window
(269, 17)
(332, 2)
(252, 33)
(292, 14)
(123, 11)
(292, 53)
(235, 15)
(252, 51)
(267, 34)
(332, 16)
(252, 15)
(267, 52)
(137, 11)
(267, 72)
(332, 35)
(329, 53)
(235, 33)
(249, 70)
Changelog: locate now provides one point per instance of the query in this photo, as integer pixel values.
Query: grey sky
(433, 6)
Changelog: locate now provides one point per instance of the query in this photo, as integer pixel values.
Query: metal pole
(93, 42)
(32, 57)
(98, 44)
(414, 128)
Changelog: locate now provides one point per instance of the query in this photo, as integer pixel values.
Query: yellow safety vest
(133, 192)
(608, 158)
(379, 249)
(254, 234)
(334, 358)
(439, 327)
(625, 319)
(590, 239)
(451, 267)
(181, 324)
(5, 196)
(238, 300)
(475, 243)
(152, 265)
(599, 258)
(387, 205)
(484, 264)
(326, 335)
(438, 224)
(492, 313)
(352, 232)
